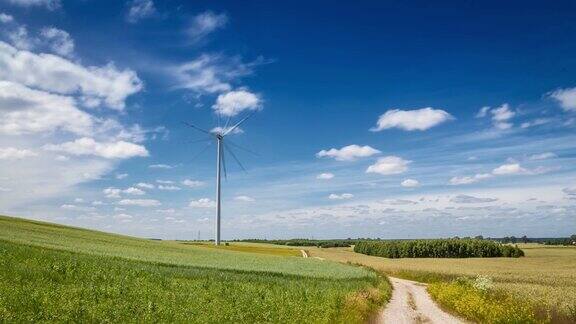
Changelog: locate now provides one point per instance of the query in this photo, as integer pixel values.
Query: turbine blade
(242, 148)
(201, 151)
(239, 123)
(235, 158)
(197, 128)
(223, 163)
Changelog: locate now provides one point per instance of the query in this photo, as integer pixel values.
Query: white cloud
(343, 196)
(206, 23)
(97, 85)
(134, 191)
(483, 112)
(112, 192)
(234, 102)
(59, 41)
(78, 208)
(325, 176)
(468, 180)
(165, 181)
(140, 9)
(570, 192)
(26, 111)
(348, 153)
(244, 198)
(410, 183)
(542, 156)
(6, 18)
(145, 185)
(202, 203)
(389, 165)
(49, 4)
(501, 116)
(192, 183)
(566, 98)
(210, 73)
(123, 218)
(511, 168)
(168, 188)
(108, 150)
(11, 153)
(418, 119)
(222, 130)
(160, 166)
(121, 176)
(166, 211)
(139, 202)
(97, 203)
(465, 199)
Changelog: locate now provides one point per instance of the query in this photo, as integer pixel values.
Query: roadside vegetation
(440, 248)
(306, 242)
(542, 284)
(57, 273)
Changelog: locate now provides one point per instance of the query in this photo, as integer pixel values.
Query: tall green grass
(55, 273)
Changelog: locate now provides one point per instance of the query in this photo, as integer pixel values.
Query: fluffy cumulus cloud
(455, 181)
(160, 166)
(244, 198)
(26, 111)
(11, 153)
(107, 85)
(542, 156)
(202, 203)
(140, 9)
(168, 188)
(234, 102)
(6, 18)
(145, 185)
(465, 199)
(410, 183)
(510, 168)
(49, 4)
(192, 183)
(59, 41)
(139, 202)
(223, 130)
(210, 73)
(410, 120)
(501, 116)
(325, 176)
(205, 23)
(389, 165)
(108, 150)
(348, 153)
(566, 98)
(343, 196)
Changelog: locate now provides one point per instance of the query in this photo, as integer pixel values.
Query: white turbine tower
(219, 134)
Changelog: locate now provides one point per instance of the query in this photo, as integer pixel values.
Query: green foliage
(46, 285)
(476, 300)
(167, 252)
(306, 242)
(56, 273)
(441, 248)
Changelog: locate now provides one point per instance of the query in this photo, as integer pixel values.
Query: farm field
(51, 272)
(545, 277)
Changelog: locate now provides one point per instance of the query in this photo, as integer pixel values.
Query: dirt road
(411, 303)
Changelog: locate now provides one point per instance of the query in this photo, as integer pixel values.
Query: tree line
(438, 248)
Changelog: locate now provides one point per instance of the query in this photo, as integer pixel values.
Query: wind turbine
(219, 134)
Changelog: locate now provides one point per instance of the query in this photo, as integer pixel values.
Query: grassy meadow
(56, 273)
(545, 278)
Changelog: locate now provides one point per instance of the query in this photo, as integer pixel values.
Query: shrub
(476, 300)
(441, 248)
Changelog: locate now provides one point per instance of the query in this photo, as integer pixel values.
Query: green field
(55, 273)
(545, 278)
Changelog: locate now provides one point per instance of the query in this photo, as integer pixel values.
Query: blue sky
(391, 120)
